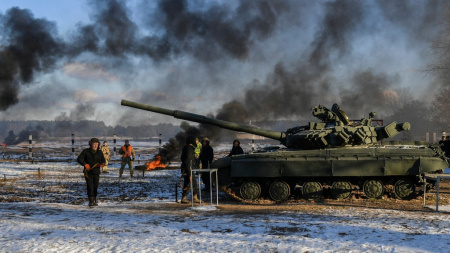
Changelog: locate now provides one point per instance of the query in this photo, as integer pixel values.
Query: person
(446, 148)
(92, 160)
(128, 155)
(236, 150)
(188, 162)
(206, 157)
(198, 148)
(107, 154)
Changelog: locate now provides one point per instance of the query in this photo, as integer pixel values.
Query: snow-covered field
(44, 209)
(140, 215)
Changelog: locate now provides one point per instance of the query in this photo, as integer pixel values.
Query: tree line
(14, 132)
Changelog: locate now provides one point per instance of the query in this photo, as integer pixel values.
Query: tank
(335, 156)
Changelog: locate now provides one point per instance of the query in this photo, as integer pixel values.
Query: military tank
(335, 154)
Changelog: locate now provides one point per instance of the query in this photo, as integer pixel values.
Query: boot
(91, 201)
(184, 200)
(95, 201)
(195, 198)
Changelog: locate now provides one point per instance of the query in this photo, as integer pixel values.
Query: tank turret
(334, 130)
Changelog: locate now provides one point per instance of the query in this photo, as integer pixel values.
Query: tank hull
(356, 166)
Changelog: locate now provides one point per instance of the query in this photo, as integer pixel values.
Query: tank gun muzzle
(392, 129)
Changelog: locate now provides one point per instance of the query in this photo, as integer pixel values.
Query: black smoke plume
(228, 33)
(23, 136)
(30, 45)
(291, 91)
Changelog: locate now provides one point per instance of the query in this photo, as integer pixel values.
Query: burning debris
(155, 163)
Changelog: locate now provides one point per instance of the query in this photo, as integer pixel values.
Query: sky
(234, 60)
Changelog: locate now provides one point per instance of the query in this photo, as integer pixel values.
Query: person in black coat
(236, 150)
(189, 162)
(206, 158)
(92, 160)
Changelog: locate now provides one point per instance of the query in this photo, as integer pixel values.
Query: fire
(156, 163)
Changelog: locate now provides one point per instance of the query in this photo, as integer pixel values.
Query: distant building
(247, 136)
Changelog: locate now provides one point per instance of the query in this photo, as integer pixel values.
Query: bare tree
(441, 110)
(441, 47)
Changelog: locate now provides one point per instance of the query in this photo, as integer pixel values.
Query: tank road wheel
(250, 190)
(373, 188)
(404, 189)
(341, 189)
(312, 190)
(279, 191)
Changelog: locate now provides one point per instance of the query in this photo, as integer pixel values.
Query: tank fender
(221, 163)
(432, 164)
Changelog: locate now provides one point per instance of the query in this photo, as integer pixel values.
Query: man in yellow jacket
(107, 155)
(128, 155)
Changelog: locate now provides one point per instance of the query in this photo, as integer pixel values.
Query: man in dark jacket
(188, 162)
(206, 158)
(236, 150)
(92, 160)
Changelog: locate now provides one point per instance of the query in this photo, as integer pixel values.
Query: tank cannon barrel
(209, 121)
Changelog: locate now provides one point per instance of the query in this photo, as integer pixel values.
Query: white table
(437, 178)
(210, 171)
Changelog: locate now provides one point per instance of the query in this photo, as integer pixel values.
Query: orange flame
(156, 163)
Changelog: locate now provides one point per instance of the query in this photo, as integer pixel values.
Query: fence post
(73, 146)
(30, 147)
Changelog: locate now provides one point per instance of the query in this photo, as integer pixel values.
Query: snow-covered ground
(148, 227)
(49, 213)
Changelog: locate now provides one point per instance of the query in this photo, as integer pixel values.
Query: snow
(140, 215)
(139, 227)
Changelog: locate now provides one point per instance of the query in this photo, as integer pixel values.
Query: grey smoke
(215, 36)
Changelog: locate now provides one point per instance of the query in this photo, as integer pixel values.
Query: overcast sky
(274, 58)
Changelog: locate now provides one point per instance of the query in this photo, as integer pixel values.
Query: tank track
(229, 192)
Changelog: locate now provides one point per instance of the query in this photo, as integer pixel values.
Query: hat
(127, 141)
(190, 140)
(93, 140)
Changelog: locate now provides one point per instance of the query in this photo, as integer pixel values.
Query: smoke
(341, 20)
(23, 136)
(174, 29)
(216, 31)
(282, 56)
(112, 32)
(29, 45)
(80, 114)
(367, 92)
(290, 92)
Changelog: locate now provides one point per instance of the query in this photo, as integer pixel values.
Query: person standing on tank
(236, 150)
(189, 162)
(206, 158)
(92, 160)
(128, 155)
